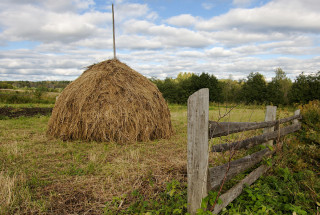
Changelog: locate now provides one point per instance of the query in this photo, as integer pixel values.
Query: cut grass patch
(48, 176)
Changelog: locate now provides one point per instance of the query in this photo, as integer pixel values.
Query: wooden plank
(271, 114)
(296, 113)
(114, 37)
(217, 174)
(256, 140)
(234, 192)
(198, 117)
(218, 129)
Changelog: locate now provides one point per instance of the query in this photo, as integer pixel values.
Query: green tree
(171, 91)
(4, 85)
(305, 88)
(38, 92)
(278, 88)
(207, 81)
(230, 90)
(178, 90)
(254, 89)
(183, 76)
(185, 86)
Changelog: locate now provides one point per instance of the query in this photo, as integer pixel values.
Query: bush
(38, 92)
(305, 88)
(171, 201)
(310, 132)
(23, 98)
(4, 85)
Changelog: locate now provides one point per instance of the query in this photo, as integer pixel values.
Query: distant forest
(252, 90)
(50, 86)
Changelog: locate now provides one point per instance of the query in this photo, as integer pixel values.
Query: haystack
(110, 102)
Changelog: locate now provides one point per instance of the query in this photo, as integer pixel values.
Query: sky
(57, 39)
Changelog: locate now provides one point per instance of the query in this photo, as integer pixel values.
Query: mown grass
(27, 96)
(50, 176)
(41, 175)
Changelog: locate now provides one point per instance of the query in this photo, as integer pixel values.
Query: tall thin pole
(114, 39)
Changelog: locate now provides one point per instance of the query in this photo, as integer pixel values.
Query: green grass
(22, 96)
(42, 175)
(27, 105)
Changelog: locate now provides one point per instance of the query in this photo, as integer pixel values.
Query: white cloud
(191, 54)
(207, 6)
(242, 3)
(127, 10)
(183, 20)
(167, 35)
(294, 45)
(37, 66)
(63, 6)
(52, 5)
(138, 42)
(70, 35)
(55, 21)
(279, 16)
(219, 52)
(34, 24)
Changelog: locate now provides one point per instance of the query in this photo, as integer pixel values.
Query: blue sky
(57, 39)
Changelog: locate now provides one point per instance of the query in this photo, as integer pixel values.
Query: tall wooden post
(271, 114)
(297, 112)
(198, 152)
(114, 37)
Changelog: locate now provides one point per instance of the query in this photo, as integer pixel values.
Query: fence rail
(216, 174)
(201, 178)
(218, 129)
(256, 140)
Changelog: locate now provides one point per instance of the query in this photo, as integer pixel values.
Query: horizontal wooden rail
(218, 129)
(234, 192)
(256, 140)
(216, 174)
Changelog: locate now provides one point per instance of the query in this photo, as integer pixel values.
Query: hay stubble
(50, 176)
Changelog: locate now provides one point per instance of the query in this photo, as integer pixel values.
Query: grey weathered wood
(218, 129)
(217, 174)
(256, 140)
(296, 113)
(114, 37)
(198, 117)
(234, 192)
(271, 114)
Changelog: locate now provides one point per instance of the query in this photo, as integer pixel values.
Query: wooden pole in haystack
(114, 39)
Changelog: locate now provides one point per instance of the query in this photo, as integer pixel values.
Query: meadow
(41, 175)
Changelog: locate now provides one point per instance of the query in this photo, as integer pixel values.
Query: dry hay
(110, 102)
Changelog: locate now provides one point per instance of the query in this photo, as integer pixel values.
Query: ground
(43, 175)
(11, 112)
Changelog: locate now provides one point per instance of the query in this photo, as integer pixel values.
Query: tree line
(252, 90)
(44, 85)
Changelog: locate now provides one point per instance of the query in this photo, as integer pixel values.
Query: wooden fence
(201, 178)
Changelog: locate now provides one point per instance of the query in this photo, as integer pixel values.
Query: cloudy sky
(57, 39)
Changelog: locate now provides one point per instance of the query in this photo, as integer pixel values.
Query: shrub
(310, 132)
(171, 201)
(5, 86)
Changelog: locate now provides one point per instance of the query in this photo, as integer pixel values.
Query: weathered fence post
(271, 114)
(198, 118)
(297, 112)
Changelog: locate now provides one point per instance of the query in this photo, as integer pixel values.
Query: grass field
(27, 96)
(41, 175)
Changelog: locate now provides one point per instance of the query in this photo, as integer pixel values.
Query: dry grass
(48, 176)
(6, 190)
(111, 102)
